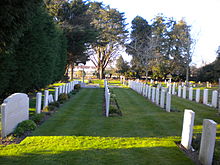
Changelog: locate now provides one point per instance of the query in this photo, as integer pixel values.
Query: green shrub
(37, 118)
(62, 97)
(24, 126)
(77, 87)
(56, 104)
(196, 141)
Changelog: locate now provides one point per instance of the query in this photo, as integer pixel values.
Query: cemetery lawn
(79, 134)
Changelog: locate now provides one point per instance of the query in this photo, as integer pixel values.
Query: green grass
(79, 134)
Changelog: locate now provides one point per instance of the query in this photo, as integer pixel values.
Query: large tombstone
(14, 110)
(205, 96)
(197, 95)
(38, 102)
(214, 98)
(187, 132)
(191, 93)
(162, 97)
(207, 144)
(168, 102)
(179, 91)
(184, 92)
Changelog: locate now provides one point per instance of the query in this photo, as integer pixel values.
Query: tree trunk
(101, 73)
(187, 75)
(146, 71)
(72, 71)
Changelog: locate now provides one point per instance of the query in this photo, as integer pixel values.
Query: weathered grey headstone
(168, 102)
(205, 96)
(38, 102)
(191, 93)
(184, 92)
(46, 95)
(153, 94)
(162, 98)
(187, 131)
(197, 95)
(214, 98)
(207, 144)
(14, 110)
(56, 94)
(157, 96)
(179, 91)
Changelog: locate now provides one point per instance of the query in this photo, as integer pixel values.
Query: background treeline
(32, 47)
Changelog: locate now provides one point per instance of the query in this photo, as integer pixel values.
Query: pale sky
(202, 15)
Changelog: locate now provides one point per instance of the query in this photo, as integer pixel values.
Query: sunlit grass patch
(71, 143)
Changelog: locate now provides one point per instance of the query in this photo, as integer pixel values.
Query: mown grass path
(79, 134)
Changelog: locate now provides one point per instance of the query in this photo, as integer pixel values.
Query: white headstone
(162, 98)
(153, 94)
(168, 102)
(184, 92)
(50, 98)
(149, 92)
(207, 144)
(191, 93)
(14, 110)
(187, 132)
(146, 91)
(38, 102)
(173, 89)
(214, 98)
(205, 96)
(197, 95)
(157, 96)
(46, 95)
(60, 89)
(179, 91)
(107, 104)
(56, 93)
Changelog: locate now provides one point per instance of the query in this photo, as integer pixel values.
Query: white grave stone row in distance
(48, 98)
(153, 93)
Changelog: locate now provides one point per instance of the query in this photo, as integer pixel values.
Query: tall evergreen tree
(110, 23)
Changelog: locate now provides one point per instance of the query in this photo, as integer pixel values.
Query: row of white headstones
(208, 138)
(15, 108)
(182, 92)
(48, 98)
(107, 98)
(156, 95)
